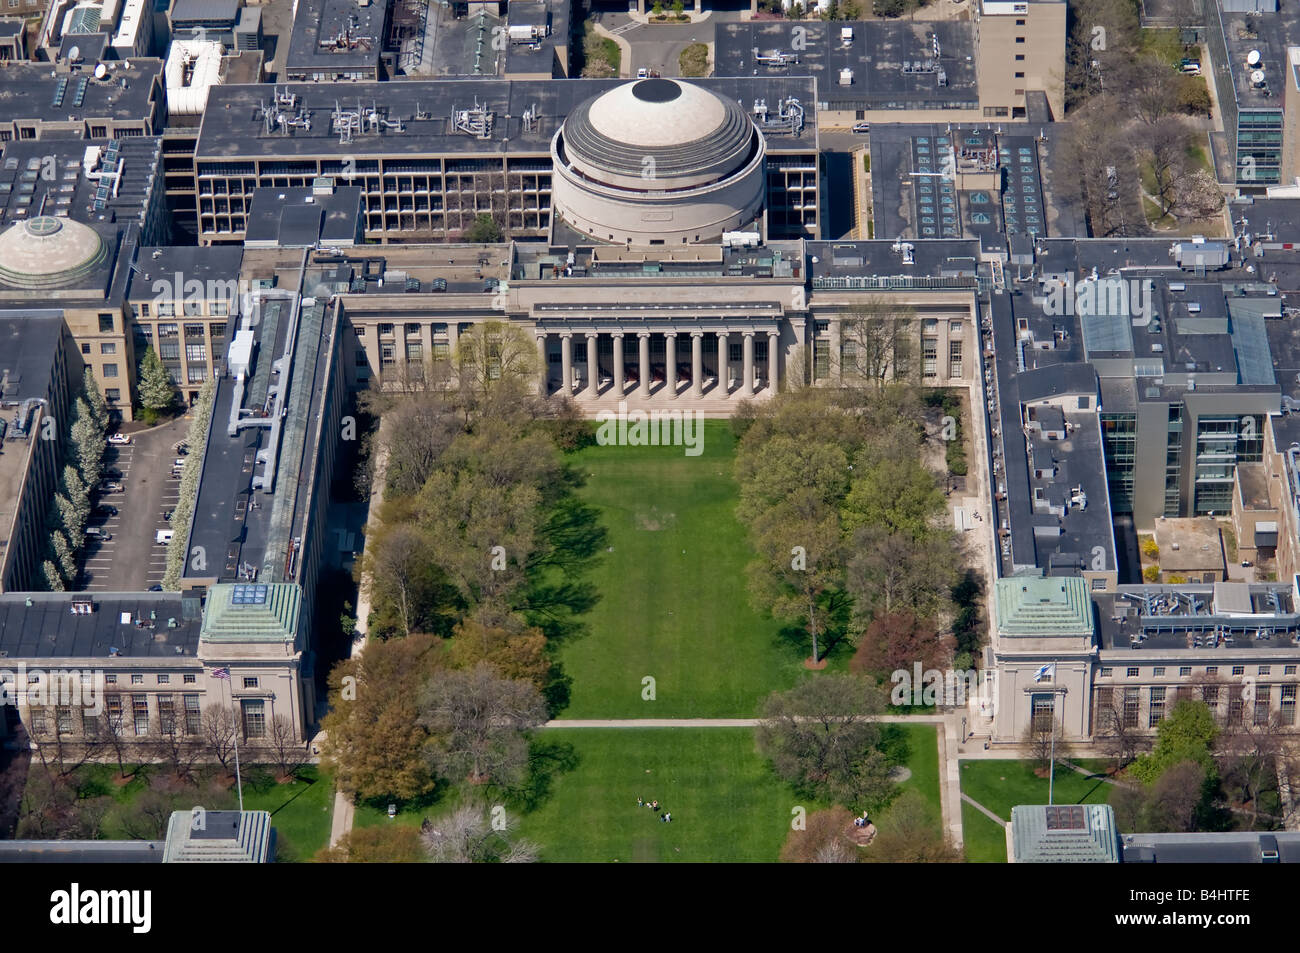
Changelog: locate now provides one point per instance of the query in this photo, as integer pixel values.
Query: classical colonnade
(607, 370)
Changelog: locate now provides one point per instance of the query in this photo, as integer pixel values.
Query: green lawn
(1002, 785)
(673, 604)
(985, 842)
(726, 804)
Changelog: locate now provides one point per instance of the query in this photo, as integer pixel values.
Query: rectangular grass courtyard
(673, 604)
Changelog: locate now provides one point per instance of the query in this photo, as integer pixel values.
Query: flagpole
(239, 784)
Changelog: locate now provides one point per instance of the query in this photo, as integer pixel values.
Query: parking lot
(132, 560)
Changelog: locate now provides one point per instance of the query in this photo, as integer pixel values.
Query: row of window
(1158, 671)
(1128, 712)
(137, 720)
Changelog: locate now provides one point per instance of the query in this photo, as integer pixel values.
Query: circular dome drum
(658, 160)
(45, 252)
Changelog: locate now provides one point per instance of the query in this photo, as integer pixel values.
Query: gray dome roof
(45, 251)
(658, 130)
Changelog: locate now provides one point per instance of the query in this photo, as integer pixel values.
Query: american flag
(221, 673)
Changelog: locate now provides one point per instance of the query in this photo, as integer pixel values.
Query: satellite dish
(100, 71)
(1252, 58)
(1257, 77)
(74, 54)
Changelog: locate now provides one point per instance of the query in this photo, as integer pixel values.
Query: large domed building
(658, 161)
(46, 252)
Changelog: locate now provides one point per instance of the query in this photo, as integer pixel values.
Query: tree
(170, 744)
(876, 336)
(466, 837)
(1117, 737)
(386, 844)
(1187, 734)
(824, 839)
(909, 831)
(374, 738)
(819, 736)
(64, 554)
(415, 433)
(898, 495)
(50, 576)
(157, 392)
(478, 724)
(892, 572)
(1247, 759)
(98, 407)
(1176, 798)
(484, 230)
(1041, 739)
(896, 641)
(496, 361)
(398, 562)
(217, 734)
(87, 442)
(288, 749)
(517, 655)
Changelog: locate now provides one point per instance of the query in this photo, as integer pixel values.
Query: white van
(163, 536)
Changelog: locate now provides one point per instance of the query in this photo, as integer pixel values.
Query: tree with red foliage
(898, 640)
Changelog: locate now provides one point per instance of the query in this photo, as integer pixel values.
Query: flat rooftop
(417, 116)
(51, 177)
(882, 265)
(36, 91)
(250, 532)
(332, 35)
(893, 62)
(1269, 34)
(1235, 619)
(129, 624)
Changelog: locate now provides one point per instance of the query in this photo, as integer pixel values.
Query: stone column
(670, 363)
(593, 366)
(618, 365)
(543, 381)
(773, 362)
(724, 378)
(697, 363)
(747, 381)
(453, 341)
(643, 355)
(566, 363)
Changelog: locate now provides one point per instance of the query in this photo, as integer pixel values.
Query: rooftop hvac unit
(1257, 78)
(846, 34)
(1252, 58)
(846, 77)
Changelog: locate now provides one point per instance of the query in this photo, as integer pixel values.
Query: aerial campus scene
(617, 431)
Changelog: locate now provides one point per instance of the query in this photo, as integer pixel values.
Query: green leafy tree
(98, 406)
(87, 442)
(386, 844)
(157, 392)
(53, 581)
(65, 555)
(821, 737)
(483, 229)
(1187, 734)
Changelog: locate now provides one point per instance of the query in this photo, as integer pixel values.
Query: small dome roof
(657, 113)
(47, 251)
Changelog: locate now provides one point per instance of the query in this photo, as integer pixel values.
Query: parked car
(861, 127)
(155, 588)
(112, 473)
(163, 536)
(438, 284)
(105, 510)
(94, 532)
(643, 73)
(119, 438)
(110, 486)
(178, 462)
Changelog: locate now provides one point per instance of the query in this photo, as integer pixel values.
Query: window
(196, 353)
(1158, 671)
(254, 716)
(1157, 710)
(144, 309)
(1042, 711)
(1235, 705)
(85, 349)
(1020, 75)
(1238, 670)
(108, 347)
(1132, 671)
(63, 720)
(1211, 670)
(1265, 669)
(113, 705)
(110, 679)
(385, 330)
(196, 373)
(250, 683)
(110, 370)
(361, 358)
(1020, 56)
(112, 395)
(1184, 671)
(1289, 670)
(1131, 706)
(140, 713)
(105, 324)
(1210, 695)
(1107, 672)
(137, 679)
(954, 359)
(1020, 23)
(1020, 39)
(929, 357)
(189, 679)
(191, 713)
(1263, 696)
(38, 722)
(166, 714)
(1287, 711)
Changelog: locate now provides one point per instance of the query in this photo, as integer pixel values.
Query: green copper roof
(1043, 606)
(266, 612)
(1065, 834)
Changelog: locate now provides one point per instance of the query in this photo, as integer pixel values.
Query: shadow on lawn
(547, 759)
